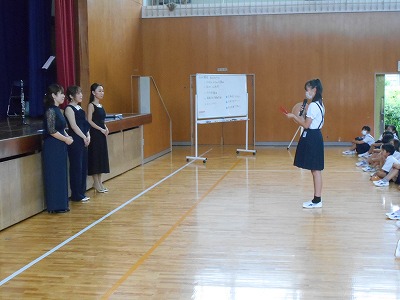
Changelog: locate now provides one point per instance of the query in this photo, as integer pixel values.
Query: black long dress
(78, 156)
(97, 150)
(55, 161)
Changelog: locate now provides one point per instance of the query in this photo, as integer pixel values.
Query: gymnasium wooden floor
(233, 228)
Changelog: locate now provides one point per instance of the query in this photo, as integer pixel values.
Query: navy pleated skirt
(310, 150)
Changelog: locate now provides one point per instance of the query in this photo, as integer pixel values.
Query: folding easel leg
(293, 137)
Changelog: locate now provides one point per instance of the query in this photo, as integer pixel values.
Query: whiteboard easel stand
(298, 129)
(247, 141)
(193, 111)
(196, 157)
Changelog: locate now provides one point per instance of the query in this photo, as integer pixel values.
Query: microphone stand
(303, 106)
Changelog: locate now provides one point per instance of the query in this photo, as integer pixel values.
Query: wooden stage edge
(18, 139)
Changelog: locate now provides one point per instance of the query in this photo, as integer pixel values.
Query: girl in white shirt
(310, 149)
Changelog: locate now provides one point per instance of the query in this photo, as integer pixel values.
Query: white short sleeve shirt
(314, 112)
(390, 160)
(369, 139)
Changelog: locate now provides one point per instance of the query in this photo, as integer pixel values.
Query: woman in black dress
(78, 128)
(98, 151)
(55, 152)
(310, 149)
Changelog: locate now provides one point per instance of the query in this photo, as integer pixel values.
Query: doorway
(387, 102)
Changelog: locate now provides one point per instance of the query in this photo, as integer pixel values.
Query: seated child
(396, 144)
(362, 143)
(375, 159)
(390, 168)
(392, 129)
(383, 139)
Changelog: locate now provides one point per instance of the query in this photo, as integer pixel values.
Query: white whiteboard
(221, 95)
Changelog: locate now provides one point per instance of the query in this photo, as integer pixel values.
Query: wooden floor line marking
(24, 268)
(165, 236)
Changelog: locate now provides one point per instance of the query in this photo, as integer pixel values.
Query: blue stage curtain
(39, 52)
(3, 59)
(13, 47)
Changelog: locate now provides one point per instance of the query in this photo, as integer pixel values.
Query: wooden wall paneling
(344, 50)
(31, 185)
(131, 152)
(115, 53)
(5, 199)
(169, 66)
(128, 146)
(133, 146)
(21, 194)
(157, 134)
(82, 51)
(115, 142)
(16, 207)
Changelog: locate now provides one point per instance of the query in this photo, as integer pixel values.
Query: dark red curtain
(65, 43)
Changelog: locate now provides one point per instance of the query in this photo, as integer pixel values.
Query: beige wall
(115, 52)
(110, 52)
(283, 51)
(345, 50)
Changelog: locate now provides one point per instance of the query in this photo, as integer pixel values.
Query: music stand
(16, 102)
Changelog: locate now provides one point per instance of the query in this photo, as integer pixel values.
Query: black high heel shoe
(60, 211)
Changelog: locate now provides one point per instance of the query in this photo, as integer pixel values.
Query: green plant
(392, 107)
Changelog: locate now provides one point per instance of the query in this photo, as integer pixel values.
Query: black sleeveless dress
(97, 150)
(78, 153)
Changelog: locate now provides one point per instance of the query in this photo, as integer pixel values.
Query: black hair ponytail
(315, 83)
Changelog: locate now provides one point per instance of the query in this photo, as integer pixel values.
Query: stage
(18, 139)
(21, 184)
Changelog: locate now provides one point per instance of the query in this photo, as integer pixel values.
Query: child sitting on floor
(362, 143)
(392, 129)
(369, 162)
(390, 169)
(389, 134)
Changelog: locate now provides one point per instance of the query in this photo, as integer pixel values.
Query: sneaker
(362, 163)
(397, 252)
(381, 183)
(366, 154)
(310, 204)
(349, 152)
(368, 169)
(394, 217)
(393, 213)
